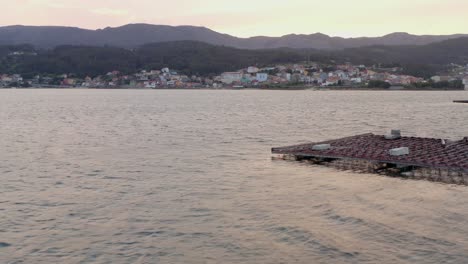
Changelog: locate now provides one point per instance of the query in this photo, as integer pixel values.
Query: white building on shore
(252, 69)
(262, 77)
(231, 77)
(465, 82)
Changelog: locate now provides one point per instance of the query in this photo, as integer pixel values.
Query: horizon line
(256, 36)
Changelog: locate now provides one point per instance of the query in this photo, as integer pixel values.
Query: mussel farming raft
(409, 157)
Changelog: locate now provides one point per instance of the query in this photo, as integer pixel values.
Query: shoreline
(246, 88)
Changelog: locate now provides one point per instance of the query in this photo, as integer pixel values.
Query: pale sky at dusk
(244, 18)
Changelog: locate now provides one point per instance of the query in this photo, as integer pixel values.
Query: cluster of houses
(458, 72)
(449, 78)
(313, 75)
(6, 80)
(164, 78)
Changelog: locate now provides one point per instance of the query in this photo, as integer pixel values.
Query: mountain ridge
(138, 34)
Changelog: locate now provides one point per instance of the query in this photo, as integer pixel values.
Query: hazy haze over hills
(133, 35)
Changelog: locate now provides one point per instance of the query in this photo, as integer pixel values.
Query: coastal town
(307, 75)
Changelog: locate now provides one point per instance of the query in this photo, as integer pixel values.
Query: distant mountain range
(135, 35)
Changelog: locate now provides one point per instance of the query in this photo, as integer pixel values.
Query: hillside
(135, 35)
(188, 56)
(198, 57)
(193, 57)
(422, 61)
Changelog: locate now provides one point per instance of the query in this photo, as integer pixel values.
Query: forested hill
(135, 35)
(421, 61)
(187, 56)
(200, 58)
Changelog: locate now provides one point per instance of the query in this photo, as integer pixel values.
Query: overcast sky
(244, 18)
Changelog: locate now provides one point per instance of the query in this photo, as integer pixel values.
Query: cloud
(110, 12)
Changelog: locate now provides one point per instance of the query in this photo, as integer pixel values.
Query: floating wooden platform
(428, 158)
(461, 101)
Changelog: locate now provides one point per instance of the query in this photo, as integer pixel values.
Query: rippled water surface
(143, 176)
